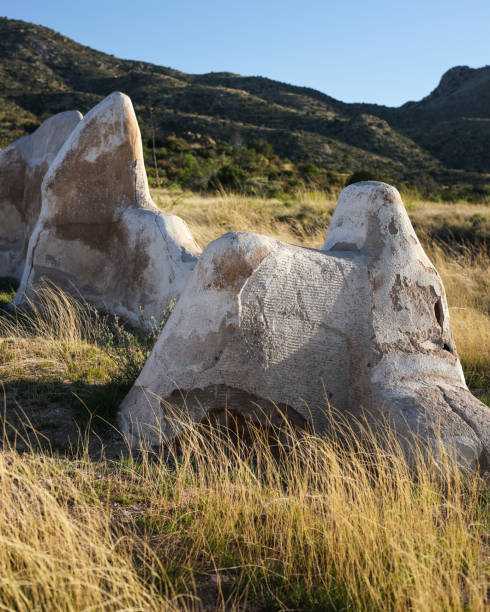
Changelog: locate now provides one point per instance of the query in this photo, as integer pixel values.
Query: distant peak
(454, 79)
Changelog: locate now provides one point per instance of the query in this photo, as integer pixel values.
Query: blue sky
(387, 52)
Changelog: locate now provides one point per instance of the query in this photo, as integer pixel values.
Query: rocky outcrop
(99, 234)
(22, 168)
(362, 324)
(414, 375)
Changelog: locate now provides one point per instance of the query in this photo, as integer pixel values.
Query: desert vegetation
(264, 520)
(203, 165)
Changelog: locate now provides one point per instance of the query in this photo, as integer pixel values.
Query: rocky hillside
(452, 123)
(441, 140)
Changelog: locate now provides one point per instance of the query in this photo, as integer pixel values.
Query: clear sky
(387, 52)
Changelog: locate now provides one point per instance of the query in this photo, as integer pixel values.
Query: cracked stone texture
(99, 235)
(23, 165)
(364, 323)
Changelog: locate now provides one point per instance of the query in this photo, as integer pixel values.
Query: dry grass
(467, 281)
(423, 211)
(314, 526)
(54, 338)
(221, 524)
(302, 221)
(62, 363)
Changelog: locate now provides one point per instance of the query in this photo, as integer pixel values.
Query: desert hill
(440, 140)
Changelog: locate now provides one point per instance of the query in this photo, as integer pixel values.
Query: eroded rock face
(363, 322)
(22, 168)
(99, 234)
(414, 373)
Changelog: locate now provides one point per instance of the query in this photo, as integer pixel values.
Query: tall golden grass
(227, 525)
(466, 277)
(231, 524)
(303, 221)
(54, 334)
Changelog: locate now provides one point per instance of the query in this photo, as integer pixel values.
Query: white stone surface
(99, 234)
(22, 168)
(363, 322)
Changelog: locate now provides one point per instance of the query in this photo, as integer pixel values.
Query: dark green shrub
(176, 144)
(31, 126)
(261, 146)
(308, 171)
(366, 175)
(228, 176)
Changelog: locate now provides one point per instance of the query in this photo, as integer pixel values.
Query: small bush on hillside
(308, 171)
(31, 126)
(176, 144)
(228, 176)
(261, 146)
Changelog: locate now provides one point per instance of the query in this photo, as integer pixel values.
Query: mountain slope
(443, 137)
(452, 123)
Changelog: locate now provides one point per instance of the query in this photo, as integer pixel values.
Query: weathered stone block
(99, 235)
(22, 168)
(363, 324)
